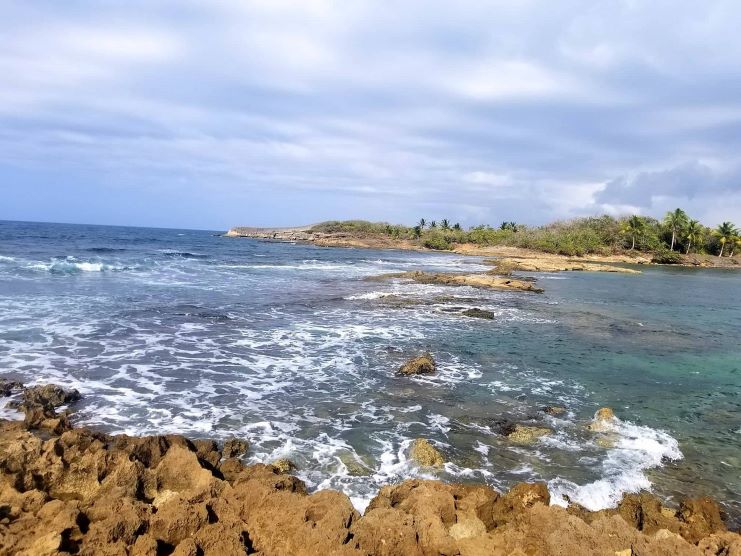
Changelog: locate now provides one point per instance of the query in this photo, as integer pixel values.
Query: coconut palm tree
(445, 225)
(675, 220)
(633, 227)
(433, 224)
(457, 227)
(422, 223)
(418, 231)
(693, 233)
(726, 232)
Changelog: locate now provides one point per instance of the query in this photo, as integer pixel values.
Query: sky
(198, 114)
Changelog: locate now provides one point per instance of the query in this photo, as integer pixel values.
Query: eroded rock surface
(83, 492)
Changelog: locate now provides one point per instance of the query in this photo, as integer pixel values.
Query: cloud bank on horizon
(277, 112)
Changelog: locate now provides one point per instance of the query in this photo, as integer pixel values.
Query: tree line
(665, 239)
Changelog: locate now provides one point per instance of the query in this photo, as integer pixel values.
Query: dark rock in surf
(479, 314)
(7, 387)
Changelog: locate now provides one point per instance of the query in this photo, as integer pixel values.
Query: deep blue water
(290, 347)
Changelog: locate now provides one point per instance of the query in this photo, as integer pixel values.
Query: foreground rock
(422, 365)
(82, 492)
(484, 280)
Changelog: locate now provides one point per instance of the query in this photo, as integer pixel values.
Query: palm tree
(433, 224)
(736, 243)
(676, 221)
(693, 233)
(725, 233)
(422, 223)
(418, 231)
(457, 227)
(445, 225)
(633, 227)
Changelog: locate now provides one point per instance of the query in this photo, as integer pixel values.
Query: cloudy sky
(274, 112)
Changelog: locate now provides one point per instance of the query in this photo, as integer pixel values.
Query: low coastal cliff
(66, 490)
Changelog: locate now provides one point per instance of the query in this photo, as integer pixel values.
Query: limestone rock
(554, 410)
(425, 454)
(422, 365)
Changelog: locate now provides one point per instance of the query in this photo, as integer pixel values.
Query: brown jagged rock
(554, 410)
(88, 493)
(422, 365)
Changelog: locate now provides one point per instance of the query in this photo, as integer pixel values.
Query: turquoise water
(292, 348)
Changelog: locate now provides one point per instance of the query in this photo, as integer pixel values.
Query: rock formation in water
(483, 280)
(75, 491)
(422, 365)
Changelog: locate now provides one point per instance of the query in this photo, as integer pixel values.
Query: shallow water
(288, 346)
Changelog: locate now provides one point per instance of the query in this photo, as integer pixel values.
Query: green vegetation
(664, 240)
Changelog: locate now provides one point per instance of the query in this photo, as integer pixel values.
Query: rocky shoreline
(66, 490)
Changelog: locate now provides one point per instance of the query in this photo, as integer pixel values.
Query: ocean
(290, 347)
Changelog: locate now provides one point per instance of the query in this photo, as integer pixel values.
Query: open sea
(289, 347)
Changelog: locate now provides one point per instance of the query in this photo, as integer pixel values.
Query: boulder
(424, 454)
(554, 410)
(523, 434)
(479, 314)
(422, 365)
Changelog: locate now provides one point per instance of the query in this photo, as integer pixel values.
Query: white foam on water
(637, 448)
(368, 296)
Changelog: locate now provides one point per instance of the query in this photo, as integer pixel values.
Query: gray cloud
(258, 111)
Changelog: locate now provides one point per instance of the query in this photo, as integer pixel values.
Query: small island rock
(603, 421)
(479, 314)
(524, 434)
(422, 365)
(425, 454)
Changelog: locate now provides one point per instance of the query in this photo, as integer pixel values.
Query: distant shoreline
(520, 258)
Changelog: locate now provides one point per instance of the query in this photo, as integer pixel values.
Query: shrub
(437, 242)
(664, 256)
